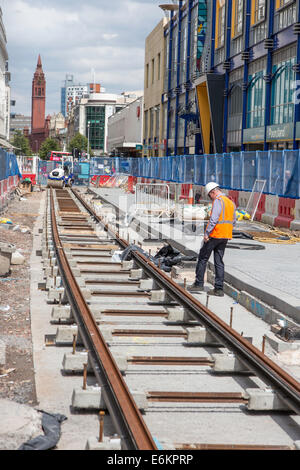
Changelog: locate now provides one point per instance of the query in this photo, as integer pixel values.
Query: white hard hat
(210, 187)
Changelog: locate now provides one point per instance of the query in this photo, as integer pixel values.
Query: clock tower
(38, 98)
(39, 126)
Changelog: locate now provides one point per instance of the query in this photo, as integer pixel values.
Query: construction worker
(217, 233)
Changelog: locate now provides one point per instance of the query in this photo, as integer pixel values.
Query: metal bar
(230, 447)
(151, 333)
(171, 361)
(193, 397)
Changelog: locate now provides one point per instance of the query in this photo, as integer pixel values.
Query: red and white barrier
(6, 187)
(272, 210)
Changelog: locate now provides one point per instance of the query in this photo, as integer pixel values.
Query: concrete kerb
(263, 304)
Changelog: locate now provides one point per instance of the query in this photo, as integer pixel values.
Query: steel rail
(287, 387)
(126, 416)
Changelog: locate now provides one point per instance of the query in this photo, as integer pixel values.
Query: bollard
(85, 366)
(101, 432)
(263, 344)
(231, 317)
(74, 344)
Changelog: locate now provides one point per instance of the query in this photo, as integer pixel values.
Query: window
(147, 75)
(158, 67)
(281, 3)
(146, 125)
(258, 11)
(220, 23)
(96, 117)
(238, 11)
(153, 71)
(256, 100)
(285, 16)
(283, 87)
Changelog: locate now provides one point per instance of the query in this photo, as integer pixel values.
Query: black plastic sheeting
(166, 257)
(51, 424)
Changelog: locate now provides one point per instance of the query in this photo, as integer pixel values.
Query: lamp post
(89, 139)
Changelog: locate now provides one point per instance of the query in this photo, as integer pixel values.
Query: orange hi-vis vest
(224, 227)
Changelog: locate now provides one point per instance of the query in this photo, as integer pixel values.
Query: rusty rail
(286, 386)
(125, 414)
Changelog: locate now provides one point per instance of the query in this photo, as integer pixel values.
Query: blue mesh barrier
(189, 169)
(248, 170)
(199, 177)
(263, 167)
(8, 165)
(236, 174)
(291, 172)
(276, 172)
(219, 169)
(227, 171)
(236, 171)
(211, 170)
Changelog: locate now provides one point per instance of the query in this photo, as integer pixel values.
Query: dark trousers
(216, 245)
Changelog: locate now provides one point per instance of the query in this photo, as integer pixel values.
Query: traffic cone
(191, 195)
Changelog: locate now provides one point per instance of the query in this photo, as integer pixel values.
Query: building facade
(252, 68)
(19, 122)
(154, 143)
(72, 93)
(125, 130)
(181, 48)
(4, 88)
(231, 77)
(90, 118)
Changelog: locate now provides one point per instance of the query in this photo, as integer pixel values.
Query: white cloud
(76, 37)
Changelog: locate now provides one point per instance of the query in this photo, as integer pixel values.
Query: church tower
(39, 126)
(38, 98)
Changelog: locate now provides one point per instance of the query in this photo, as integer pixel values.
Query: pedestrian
(217, 233)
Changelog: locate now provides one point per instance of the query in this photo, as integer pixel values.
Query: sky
(76, 37)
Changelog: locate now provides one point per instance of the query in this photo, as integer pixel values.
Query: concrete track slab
(270, 274)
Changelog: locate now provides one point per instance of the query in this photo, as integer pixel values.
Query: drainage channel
(128, 311)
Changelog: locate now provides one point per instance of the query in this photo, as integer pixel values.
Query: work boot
(196, 288)
(216, 292)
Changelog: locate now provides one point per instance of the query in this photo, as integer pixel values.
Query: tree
(21, 143)
(78, 142)
(47, 146)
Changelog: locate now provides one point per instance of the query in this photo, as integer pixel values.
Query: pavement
(270, 275)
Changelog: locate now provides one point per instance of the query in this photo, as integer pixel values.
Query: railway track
(130, 307)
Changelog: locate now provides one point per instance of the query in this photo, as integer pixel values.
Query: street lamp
(89, 139)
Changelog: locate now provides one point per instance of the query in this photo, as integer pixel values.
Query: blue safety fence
(235, 171)
(8, 165)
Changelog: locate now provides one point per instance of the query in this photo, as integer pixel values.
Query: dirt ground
(17, 377)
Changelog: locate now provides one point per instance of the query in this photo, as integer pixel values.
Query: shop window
(220, 23)
(258, 12)
(237, 16)
(256, 100)
(286, 14)
(282, 109)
